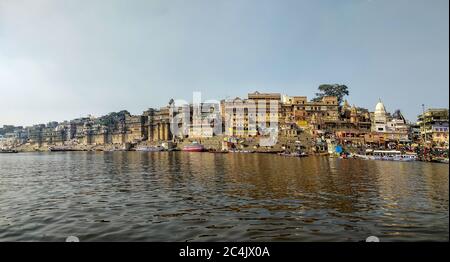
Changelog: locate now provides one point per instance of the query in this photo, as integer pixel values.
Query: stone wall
(118, 139)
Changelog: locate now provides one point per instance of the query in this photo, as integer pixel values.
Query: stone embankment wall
(117, 142)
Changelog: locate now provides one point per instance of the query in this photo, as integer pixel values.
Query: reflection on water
(133, 196)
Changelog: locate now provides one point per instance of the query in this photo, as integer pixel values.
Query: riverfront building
(295, 118)
(387, 128)
(434, 127)
(155, 124)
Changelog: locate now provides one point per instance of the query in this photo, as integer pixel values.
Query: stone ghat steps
(212, 143)
(252, 144)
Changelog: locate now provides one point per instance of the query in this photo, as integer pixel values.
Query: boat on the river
(194, 147)
(242, 151)
(61, 149)
(442, 160)
(387, 155)
(218, 151)
(8, 151)
(293, 154)
(150, 148)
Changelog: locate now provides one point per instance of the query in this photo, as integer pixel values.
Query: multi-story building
(239, 116)
(196, 120)
(159, 122)
(7, 129)
(205, 120)
(388, 128)
(13, 135)
(439, 135)
(414, 132)
(254, 116)
(434, 126)
(243, 117)
(35, 134)
(353, 124)
(136, 130)
(313, 114)
(266, 109)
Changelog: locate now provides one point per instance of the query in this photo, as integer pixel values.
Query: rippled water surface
(132, 196)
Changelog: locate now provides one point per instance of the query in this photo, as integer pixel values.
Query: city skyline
(61, 60)
(197, 102)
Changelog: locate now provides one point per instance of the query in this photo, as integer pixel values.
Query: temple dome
(380, 108)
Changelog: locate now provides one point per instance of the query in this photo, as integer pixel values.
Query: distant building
(434, 127)
(252, 116)
(414, 132)
(267, 112)
(159, 124)
(380, 118)
(353, 125)
(135, 128)
(310, 114)
(239, 116)
(387, 127)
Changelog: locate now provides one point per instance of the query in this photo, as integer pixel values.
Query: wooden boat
(218, 151)
(150, 148)
(194, 147)
(388, 155)
(242, 151)
(294, 154)
(393, 155)
(8, 151)
(441, 160)
(61, 149)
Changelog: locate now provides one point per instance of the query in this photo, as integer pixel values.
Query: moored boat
(8, 151)
(150, 148)
(194, 147)
(388, 155)
(441, 160)
(294, 154)
(61, 149)
(218, 151)
(242, 151)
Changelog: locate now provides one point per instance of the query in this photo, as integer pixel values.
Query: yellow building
(434, 126)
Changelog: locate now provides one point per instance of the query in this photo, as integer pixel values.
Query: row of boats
(394, 155)
(293, 154)
(387, 155)
(194, 147)
(8, 151)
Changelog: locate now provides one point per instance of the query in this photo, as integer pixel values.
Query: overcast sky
(64, 59)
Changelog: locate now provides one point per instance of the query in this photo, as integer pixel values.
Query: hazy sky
(64, 59)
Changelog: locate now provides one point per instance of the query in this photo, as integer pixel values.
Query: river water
(179, 196)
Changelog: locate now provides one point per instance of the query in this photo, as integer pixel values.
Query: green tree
(339, 91)
(112, 119)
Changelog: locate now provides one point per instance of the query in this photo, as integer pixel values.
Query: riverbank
(290, 146)
(121, 148)
(213, 144)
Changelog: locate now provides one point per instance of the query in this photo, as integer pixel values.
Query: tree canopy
(339, 91)
(113, 118)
